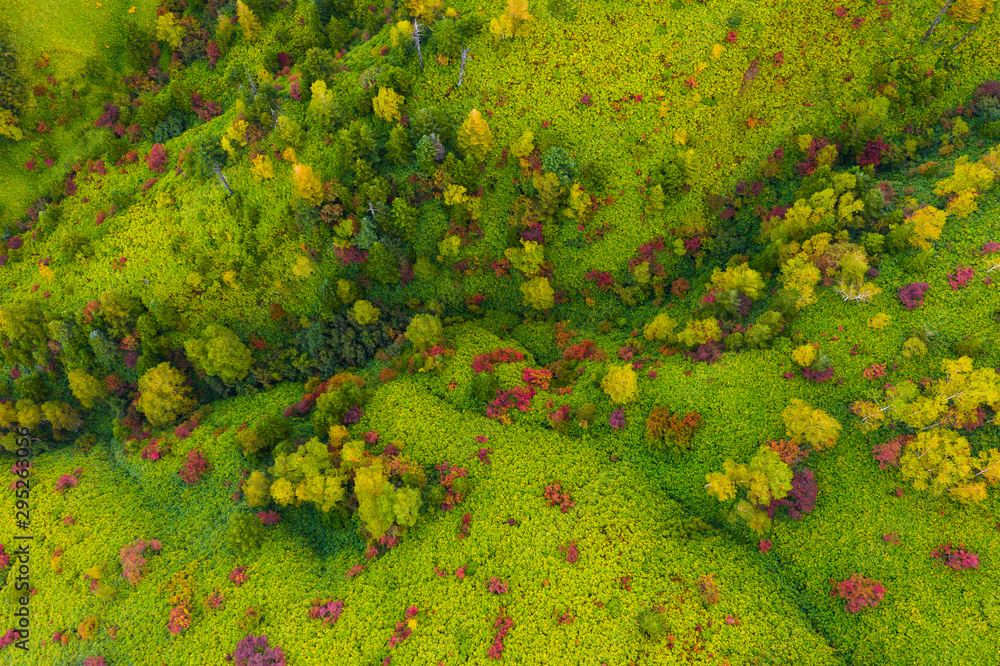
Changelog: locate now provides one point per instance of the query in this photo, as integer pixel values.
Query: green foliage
(811, 426)
(399, 148)
(323, 110)
(220, 353)
(484, 388)
(765, 478)
(425, 153)
(431, 120)
(333, 405)
(382, 264)
(446, 38)
(318, 65)
(919, 263)
(557, 160)
(653, 623)
(538, 293)
(425, 331)
(87, 389)
(308, 475)
(245, 532)
(404, 219)
(941, 460)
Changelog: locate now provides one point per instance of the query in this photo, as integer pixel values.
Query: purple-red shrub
(887, 453)
(818, 376)
(859, 592)
(955, 557)
(157, 158)
(912, 295)
(94, 661)
(212, 53)
(269, 517)
(194, 468)
(801, 499)
(484, 362)
(961, 277)
(109, 117)
(572, 552)
(403, 631)
(496, 585)
(326, 610)
(237, 576)
(132, 560)
(254, 651)
(502, 625)
(873, 153)
(66, 481)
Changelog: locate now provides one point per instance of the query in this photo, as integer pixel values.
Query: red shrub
(195, 467)
(860, 592)
(157, 158)
(555, 496)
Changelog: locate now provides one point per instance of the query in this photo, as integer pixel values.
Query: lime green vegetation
(668, 336)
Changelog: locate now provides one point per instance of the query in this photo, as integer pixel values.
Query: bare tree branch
(974, 26)
(934, 25)
(222, 178)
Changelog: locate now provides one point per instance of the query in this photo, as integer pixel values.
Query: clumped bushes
(666, 430)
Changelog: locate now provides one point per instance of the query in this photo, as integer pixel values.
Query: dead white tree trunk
(416, 40)
(461, 71)
(934, 25)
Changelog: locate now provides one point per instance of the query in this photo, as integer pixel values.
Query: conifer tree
(248, 21)
(398, 148)
(475, 137)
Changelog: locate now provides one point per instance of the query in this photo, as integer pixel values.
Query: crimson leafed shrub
(157, 158)
(912, 295)
(955, 557)
(555, 496)
(132, 560)
(860, 592)
(326, 610)
(888, 453)
(195, 467)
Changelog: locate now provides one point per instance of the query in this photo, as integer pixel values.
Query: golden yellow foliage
(386, 104)
(308, 185)
(262, 167)
(247, 20)
(475, 137)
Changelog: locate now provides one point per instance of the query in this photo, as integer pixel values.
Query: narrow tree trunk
(974, 26)
(934, 25)
(222, 178)
(416, 40)
(461, 71)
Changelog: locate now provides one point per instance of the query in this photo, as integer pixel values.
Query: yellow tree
(515, 23)
(162, 395)
(475, 137)
(308, 185)
(927, 224)
(387, 104)
(248, 22)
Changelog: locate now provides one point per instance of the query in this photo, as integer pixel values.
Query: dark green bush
(245, 532)
(971, 346)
